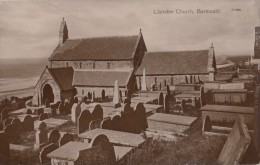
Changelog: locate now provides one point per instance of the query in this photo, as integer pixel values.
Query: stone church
(91, 65)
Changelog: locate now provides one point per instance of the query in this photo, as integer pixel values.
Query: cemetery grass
(27, 157)
(193, 149)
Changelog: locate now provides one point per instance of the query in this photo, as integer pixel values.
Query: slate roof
(102, 48)
(101, 78)
(178, 62)
(63, 77)
(69, 151)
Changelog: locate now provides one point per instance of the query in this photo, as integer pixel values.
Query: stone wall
(98, 64)
(168, 79)
(46, 78)
(109, 91)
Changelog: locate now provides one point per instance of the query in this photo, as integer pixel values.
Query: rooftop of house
(100, 48)
(102, 78)
(177, 62)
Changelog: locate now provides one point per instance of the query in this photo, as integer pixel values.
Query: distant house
(168, 68)
(92, 63)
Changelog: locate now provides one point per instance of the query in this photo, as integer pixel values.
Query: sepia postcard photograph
(129, 82)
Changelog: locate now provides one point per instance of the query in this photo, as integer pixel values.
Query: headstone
(93, 96)
(140, 118)
(29, 111)
(117, 105)
(95, 124)
(41, 134)
(7, 121)
(83, 121)
(183, 105)
(54, 136)
(108, 154)
(167, 103)
(45, 150)
(116, 94)
(168, 90)
(106, 123)
(128, 121)
(161, 99)
(144, 87)
(97, 112)
(115, 123)
(76, 100)
(4, 148)
(207, 126)
(75, 112)
(67, 137)
(13, 131)
(47, 103)
(43, 116)
(103, 94)
(67, 108)
(61, 107)
(202, 97)
(15, 121)
(28, 123)
(40, 111)
(127, 108)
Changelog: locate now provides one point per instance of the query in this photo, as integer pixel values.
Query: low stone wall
(236, 144)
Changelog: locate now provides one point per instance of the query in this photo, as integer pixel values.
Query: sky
(30, 29)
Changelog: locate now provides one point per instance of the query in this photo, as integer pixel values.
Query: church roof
(63, 77)
(177, 62)
(101, 78)
(102, 48)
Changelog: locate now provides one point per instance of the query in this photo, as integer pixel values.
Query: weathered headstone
(45, 150)
(95, 124)
(140, 118)
(97, 112)
(28, 123)
(115, 123)
(67, 137)
(40, 111)
(207, 126)
(108, 154)
(167, 103)
(75, 112)
(13, 131)
(106, 123)
(83, 121)
(41, 134)
(54, 136)
(93, 96)
(128, 121)
(103, 94)
(67, 108)
(4, 148)
(127, 108)
(161, 99)
(29, 111)
(43, 116)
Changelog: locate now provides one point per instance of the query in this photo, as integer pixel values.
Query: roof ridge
(178, 51)
(102, 70)
(72, 39)
(61, 68)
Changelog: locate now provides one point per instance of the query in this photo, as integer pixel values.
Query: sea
(19, 76)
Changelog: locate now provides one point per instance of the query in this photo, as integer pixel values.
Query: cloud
(30, 28)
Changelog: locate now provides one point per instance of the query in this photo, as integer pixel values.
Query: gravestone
(183, 105)
(95, 124)
(43, 116)
(40, 111)
(128, 121)
(61, 107)
(108, 153)
(117, 105)
(29, 111)
(167, 103)
(15, 121)
(127, 108)
(47, 103)
(67, 108)
(97, 112)
(13, 131)
(7, 121)
(41, 134)
(75, 112)
(106, 123)
(140, 118)
(202, 97)
(207, 126)
(103, 95)
(28, 123)
(168, 90)
(76, 100)
(4, 148)
(83, 121)
(54, 136)
(115, 123)
(67, 137)
(161, 98)
(4, 114)
(43, 154)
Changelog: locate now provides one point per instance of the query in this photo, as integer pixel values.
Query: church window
(82, 92)
(94, 65)
(164, 82)
(67, 64)
(155, 80)
(108, 65)
(171, 80)
(80, 65)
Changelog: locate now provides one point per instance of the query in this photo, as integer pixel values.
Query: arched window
(67, 64)
(80, 65)
(171, 80)
(108, 65)
(155, 80)
(94, 65)
(82, 92)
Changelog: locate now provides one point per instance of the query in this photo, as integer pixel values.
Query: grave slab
(18, 147)
(143, 99)
(51, 122)
(116, 137)
(22, 116)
